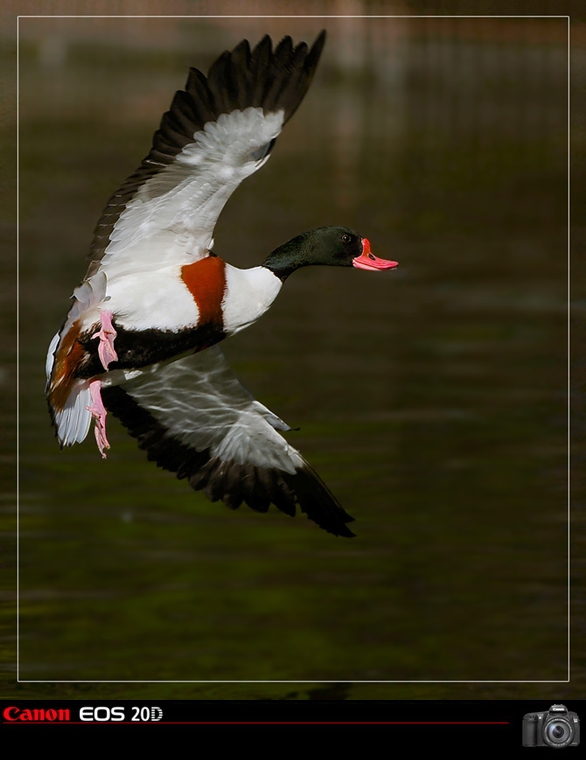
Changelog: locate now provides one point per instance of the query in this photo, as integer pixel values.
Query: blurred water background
(433, 400)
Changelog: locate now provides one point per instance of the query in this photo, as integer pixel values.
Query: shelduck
(140, 340)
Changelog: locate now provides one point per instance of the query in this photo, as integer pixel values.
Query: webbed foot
(106, 334)
(99, 412)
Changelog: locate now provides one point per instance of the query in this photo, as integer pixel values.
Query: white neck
(249, 293)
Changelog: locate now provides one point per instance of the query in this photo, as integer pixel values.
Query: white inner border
(19, 680)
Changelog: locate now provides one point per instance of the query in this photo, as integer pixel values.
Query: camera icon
(558, 727)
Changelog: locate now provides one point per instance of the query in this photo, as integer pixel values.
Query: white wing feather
(201, 403)
(171, 218)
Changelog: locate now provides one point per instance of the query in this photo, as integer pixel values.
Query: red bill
(368, 260)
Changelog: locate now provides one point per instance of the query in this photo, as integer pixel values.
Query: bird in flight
(141, 338)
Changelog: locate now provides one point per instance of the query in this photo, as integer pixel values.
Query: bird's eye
(345, 238)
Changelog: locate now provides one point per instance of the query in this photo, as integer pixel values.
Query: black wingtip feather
(283, 52)
(316, 49)
(318, 502)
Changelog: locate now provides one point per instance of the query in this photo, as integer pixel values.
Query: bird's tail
(72, 420)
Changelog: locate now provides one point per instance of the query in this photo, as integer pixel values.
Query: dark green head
(326, 246)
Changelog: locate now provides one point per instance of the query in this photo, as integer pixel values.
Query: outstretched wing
(218, 131)
(194, 418)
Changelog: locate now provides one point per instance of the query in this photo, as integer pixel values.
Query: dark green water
(431, 400)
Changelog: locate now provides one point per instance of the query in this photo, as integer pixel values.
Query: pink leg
(98, 411)
(106, 334)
